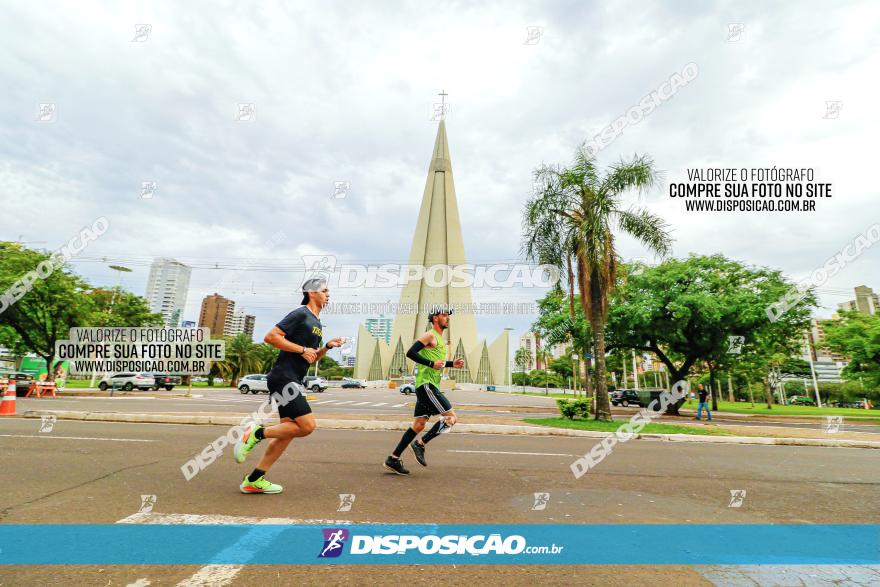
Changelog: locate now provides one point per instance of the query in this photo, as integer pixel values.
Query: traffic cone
(7, 406)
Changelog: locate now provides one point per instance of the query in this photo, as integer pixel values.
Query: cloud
(344, 93)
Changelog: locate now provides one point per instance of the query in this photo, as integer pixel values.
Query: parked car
(253, 383)
(315, 383)
(22, 382)
(625, 397)
(166, 381)
(127, 381)
(408, 388)
(352, 383)
(800, 400)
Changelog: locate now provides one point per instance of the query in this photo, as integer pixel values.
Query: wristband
(327, 345)
(449, 363)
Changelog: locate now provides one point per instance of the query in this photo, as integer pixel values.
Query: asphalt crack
(6, 511)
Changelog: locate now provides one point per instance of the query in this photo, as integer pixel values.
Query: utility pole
(635, 370)
(813, 374)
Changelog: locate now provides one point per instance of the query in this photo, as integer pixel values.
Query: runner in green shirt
(429, 351)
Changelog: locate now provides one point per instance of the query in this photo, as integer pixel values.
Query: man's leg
(447, 420)
(699, 410)
(393, 462)
(417, 426)
(281, 434)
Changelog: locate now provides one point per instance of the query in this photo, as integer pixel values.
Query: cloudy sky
(345, 92)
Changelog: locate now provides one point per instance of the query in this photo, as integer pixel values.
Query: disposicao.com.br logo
(493, 544)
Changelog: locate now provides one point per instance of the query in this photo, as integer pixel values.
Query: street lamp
(119, 269)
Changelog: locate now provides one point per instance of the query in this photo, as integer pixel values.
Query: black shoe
(395, 466)
(419, 451)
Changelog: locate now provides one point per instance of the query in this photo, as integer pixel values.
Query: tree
(571, 223)
(543, 355)
(268, 356)
(857, 336)
(686, 311)
(47, 310)
(522, 358)
(117, 307)
(242, 357)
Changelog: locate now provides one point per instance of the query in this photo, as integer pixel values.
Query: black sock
(434, 431)
(407, 437)
(256, 475)
(260, 433)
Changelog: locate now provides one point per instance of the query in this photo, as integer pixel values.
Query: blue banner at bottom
(661, 544)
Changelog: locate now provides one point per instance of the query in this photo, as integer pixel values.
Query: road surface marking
(74, 437)
(218, 575)
(398, 405)
(345, 402)
(360, 404)
(504, 452)
(382, 404)
(158, 518)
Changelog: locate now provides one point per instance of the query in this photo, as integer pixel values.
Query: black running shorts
(430, 401)
(296, 407)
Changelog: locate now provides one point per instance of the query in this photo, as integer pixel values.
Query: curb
(473, 428)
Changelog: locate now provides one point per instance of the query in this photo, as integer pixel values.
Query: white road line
(382, 404)
(345, 402)
(361, 404)
(398, 405)
(218, 575)
(48, 435)
(158, 518)
(503, 452)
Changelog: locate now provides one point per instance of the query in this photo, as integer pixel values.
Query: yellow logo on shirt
(318, 331)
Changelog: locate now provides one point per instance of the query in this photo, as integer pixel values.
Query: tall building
(866, 302)
(217, 314)
(826, 363)
(380, 328)
(437, 242)
(532, 343)
(239, 323)
(167, 286)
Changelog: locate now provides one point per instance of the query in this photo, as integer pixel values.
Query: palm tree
(268, 355)
(242, 356)
(570, 223)
(542, 355)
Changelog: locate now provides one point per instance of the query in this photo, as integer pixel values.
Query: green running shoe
(245, 444)
(259, 486)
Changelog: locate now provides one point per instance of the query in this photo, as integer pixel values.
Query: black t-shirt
(703, 395)
(302, 327)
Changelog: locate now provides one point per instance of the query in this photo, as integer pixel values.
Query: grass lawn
(761, 408)
(612, 426)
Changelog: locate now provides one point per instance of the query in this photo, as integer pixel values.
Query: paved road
(333, 401)
(97, 472)
(377, 402)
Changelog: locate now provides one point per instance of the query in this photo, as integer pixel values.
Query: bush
(572, 409)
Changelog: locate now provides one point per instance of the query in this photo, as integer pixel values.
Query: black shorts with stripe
(297, 406)
(430, 401)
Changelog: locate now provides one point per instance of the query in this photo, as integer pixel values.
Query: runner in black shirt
(298, 335)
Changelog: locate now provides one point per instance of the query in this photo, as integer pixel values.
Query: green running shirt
(437, 353)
